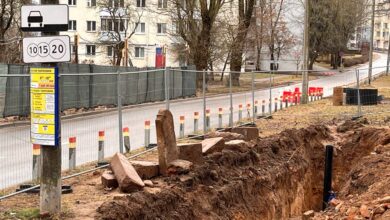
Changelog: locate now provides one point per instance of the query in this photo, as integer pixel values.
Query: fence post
(126, 139)
(72, 153)
(101, 148)
(196, 121)
(120, 122)
(181, 121)
(36, 162)
(167, 82)
(359, 109)
(231, 101)
(204, 102)
(296, 99)
(147, 134)
(270, 94)
(220, 114)
(253, 98)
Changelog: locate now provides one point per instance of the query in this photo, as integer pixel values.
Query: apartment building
(94, 27)
(382, 25)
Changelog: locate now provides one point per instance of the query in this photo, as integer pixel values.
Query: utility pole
(76, 51)
(371, 43)
(388, 57)
(50, 192)
(305, 74)
(126, 52)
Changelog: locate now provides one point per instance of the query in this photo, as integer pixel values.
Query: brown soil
(277, 178)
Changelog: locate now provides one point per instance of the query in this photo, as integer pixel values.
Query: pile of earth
(278, 177)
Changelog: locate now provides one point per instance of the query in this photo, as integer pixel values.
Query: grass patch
(28, 213)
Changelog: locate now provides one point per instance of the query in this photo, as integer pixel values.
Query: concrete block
(128, 179)
(109, 180)
(146, 169)
(191, 152)
(212, 145)
(250, 133)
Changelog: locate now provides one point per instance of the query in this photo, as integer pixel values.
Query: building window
(91, 3)
(110, 51)
(161, 28)
(72, 25)
(378, 33)
(162, 3)
(385, 24)
(117, 3)
(141, 3)
(91, 25)
(113, 25)
(72, 2)
(140, 28)
(139, 52)
(91, 49)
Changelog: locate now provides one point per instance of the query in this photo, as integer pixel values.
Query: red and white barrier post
(220, 114)
(181, 131)
(101, 148)
(126, 139)
(147, 134)
(196, 122)
(72, 153)
(36, 168)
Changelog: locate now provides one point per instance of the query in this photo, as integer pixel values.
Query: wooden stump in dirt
(338, 96)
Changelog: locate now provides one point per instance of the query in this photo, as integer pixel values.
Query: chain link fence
(117, 102)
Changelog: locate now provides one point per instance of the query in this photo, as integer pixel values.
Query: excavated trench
(274, 178)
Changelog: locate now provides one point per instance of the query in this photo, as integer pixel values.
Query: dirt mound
(279, 177)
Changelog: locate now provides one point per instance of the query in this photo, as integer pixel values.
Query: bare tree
(194, 23)
(245, 12)
(10, 35)
(116, 25)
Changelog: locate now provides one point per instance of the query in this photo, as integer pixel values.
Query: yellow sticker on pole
(44, 107)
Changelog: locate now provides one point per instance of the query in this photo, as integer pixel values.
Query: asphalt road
(16, 150)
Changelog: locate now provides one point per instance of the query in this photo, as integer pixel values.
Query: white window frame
(161, 28)
(72, 25)
(108, 51)
(138, 29)
(91, 26)
(139, 52)
(92, 48)
(89, 3)
(162, 4)
(72, 2)
(141, 3)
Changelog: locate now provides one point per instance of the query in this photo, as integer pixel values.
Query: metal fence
(89, 86)
(217, 103)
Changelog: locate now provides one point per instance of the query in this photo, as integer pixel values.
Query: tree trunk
(201, 54)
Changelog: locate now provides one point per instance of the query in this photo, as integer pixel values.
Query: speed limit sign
(46, 49)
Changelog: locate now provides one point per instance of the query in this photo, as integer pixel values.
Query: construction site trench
(276, 177)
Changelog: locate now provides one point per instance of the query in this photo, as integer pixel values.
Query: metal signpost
(49, 18)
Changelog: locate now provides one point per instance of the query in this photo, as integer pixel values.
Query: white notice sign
(45, 18)
(46, 49)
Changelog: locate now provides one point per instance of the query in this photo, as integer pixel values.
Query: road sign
(45, 18)
(46, 49)
(44, 106)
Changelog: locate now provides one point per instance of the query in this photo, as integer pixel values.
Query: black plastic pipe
(327, 176)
